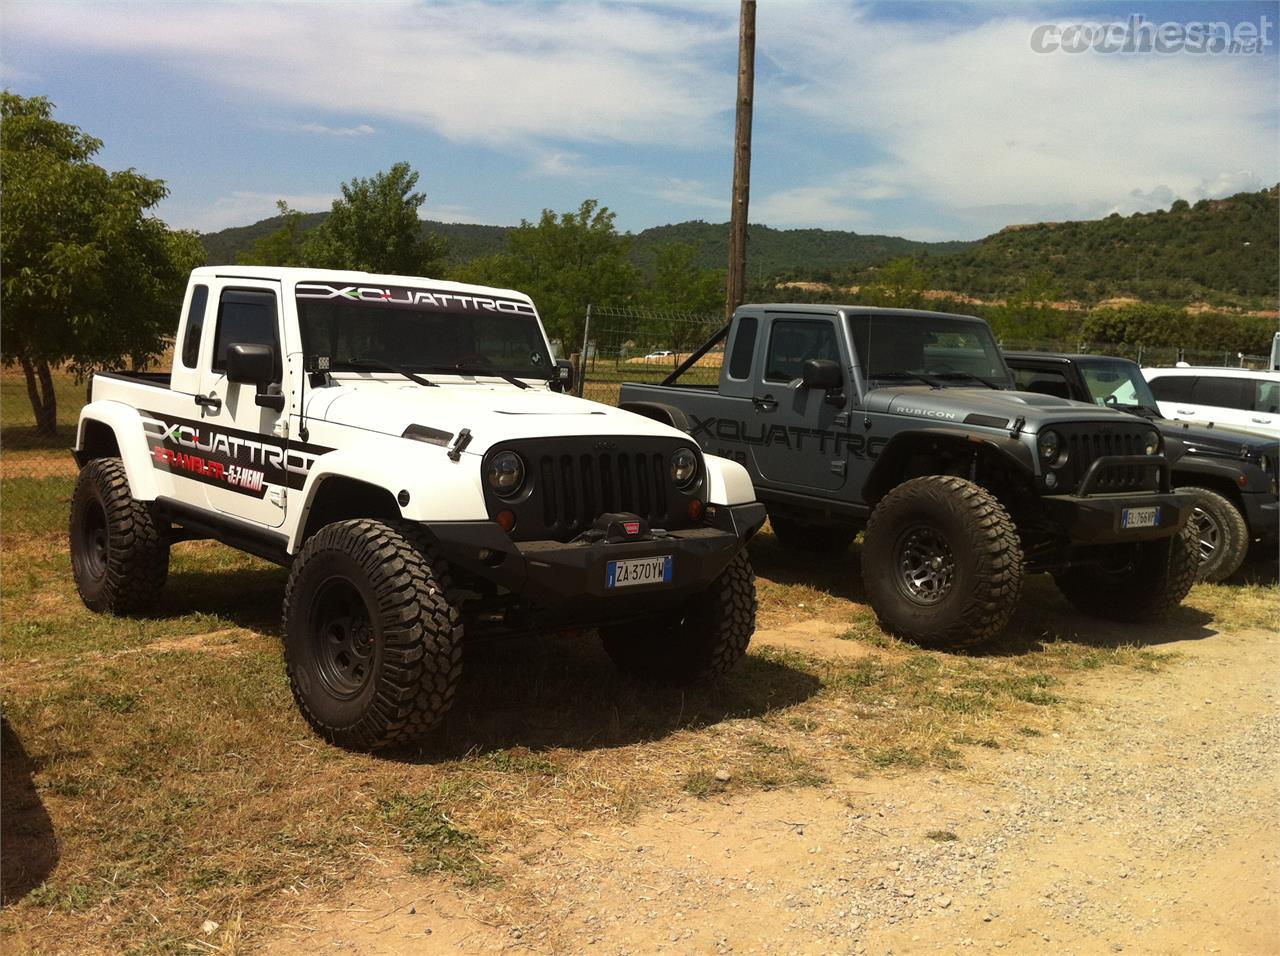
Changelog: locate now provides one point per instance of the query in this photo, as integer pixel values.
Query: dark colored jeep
(1231, 473)
(904, 423)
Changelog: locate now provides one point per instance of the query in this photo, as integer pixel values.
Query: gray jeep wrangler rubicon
(903, 423)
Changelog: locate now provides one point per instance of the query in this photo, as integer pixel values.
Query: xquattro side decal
(790, 437)
(243, 462)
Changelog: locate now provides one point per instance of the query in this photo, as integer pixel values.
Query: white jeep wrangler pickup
(406, 447)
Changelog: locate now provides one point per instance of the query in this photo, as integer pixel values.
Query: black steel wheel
(119, 551)
(373, 646)
(926, 565)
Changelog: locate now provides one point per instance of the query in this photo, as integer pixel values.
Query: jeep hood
(985, 407)
(493, 412)
(1217, 440)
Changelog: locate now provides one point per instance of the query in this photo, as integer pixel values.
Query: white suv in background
(1236, 397)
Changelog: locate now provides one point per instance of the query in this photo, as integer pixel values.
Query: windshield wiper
(389, 367)
(931, 382)
(957, 376)
(462, 369)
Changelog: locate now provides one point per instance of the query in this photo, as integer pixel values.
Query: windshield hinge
(460, 444)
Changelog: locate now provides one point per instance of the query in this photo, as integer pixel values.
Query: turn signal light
(506, 520)
(695, 509)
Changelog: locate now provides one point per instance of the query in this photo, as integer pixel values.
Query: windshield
(952, 350)
(1116, 382)
(421, 330)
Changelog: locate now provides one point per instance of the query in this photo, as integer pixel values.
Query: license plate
(628, 571)
(1140, 517)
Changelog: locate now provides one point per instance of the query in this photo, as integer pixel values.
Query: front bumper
(1099, 519)
(573, 575)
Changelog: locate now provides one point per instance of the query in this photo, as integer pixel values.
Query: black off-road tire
(965, 529)
(832, 538)
(372, 644)
(700, 642)
(1221, 534)
(119, 550)
(1138, 582)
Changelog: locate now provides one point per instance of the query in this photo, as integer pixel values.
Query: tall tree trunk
(44, 401)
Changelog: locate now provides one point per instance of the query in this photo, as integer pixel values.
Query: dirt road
(1148, 821)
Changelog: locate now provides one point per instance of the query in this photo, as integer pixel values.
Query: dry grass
(177, 784)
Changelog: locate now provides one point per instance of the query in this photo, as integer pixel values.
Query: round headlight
(684, 467)
(1152, 445)
(1050, 444)
(505, 473)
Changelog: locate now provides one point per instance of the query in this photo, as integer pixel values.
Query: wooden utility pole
(736, 284)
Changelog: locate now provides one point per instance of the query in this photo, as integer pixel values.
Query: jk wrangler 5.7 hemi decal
(244, 462)
(792, 437)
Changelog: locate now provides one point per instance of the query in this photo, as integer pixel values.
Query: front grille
(1086, 443)
(576, 489)
(570, 482)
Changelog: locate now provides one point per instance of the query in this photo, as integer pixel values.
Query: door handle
(1261, 421)
(1186, 411)
(766, 404)
(209, 402)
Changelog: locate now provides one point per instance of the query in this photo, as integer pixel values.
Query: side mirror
(563, 382)
(821, 373)
(255, 364)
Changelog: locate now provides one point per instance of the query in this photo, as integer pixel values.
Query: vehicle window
(1042, 381)
(792, 342)
(744, 347)
(424, 330)
(246, 317)
(1266, 396)
(1172, 388)
(1223, 393)
(195, 326)
(951, 347)
(1116, 382)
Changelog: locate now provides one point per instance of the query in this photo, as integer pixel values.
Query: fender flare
(659, 412)
(883, 476)
(438, 489)
(125, 422)
(727, 482)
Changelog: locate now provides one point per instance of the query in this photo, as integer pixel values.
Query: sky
(927, 120)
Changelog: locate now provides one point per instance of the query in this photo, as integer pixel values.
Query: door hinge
(842, 419)
(277, 497)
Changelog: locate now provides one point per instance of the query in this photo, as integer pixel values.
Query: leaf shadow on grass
(557, 691)
(28, 843)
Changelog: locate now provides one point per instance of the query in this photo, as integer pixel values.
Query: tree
(1136, 324)
(565, 262)
(280, 248)
(1029, 312)
(375, 227)
(899, 284)
(90, 277)
(681, 286)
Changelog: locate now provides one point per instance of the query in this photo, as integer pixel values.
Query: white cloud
(972, 118)
(688, 192)
(497, 74)
(364, 129)
(239, 209)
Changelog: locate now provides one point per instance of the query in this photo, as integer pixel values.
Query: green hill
(1221, 251)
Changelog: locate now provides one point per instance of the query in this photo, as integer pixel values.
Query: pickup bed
(903, 423)
(406, 447)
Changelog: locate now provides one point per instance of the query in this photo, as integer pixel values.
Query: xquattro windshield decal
(244, 462)
(426, 300)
